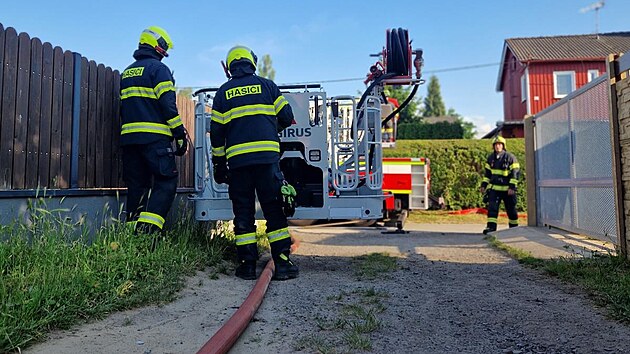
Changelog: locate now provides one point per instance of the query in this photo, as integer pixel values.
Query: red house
(537, 72)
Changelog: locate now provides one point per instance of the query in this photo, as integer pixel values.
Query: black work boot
(285, 269)
(246, 270)
(488, 230)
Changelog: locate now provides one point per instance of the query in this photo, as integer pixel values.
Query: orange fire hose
(222, 341)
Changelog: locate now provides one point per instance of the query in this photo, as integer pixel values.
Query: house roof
(494, 132)
(576, 47)
(564, 48)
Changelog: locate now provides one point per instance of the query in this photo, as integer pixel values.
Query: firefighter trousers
(150, 173)
(494, 202)
(264, 181)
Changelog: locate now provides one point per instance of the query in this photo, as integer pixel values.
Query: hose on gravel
(223, 340)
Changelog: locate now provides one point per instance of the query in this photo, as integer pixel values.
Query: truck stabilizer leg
(400, 222)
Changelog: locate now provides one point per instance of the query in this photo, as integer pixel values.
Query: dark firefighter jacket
(501, 172)
(248, 111)
(147, 95)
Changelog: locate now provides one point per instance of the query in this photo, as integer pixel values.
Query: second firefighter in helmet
(500, 182)
(150, 123)
(248, 111)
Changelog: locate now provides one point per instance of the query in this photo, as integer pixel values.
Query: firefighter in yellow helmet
(150, 124)
(499, 183)
(248, 112)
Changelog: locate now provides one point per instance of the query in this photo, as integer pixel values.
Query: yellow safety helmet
(157, 38)
(241, 52)
(499, 139)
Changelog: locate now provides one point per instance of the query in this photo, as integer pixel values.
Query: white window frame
(592, 75)
(555, 82)
(524, 87)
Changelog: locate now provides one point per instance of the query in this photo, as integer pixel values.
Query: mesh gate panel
(574, 163)
(555, 206)
(589, 115)
(593, 211)
(553, 145)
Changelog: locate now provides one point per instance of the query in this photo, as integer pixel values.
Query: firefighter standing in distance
(150, 123)
(499, 183)
(248, 112)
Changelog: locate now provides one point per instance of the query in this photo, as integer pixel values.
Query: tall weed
(55, 272)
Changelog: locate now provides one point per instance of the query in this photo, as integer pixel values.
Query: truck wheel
(302, 222)
(366, 223)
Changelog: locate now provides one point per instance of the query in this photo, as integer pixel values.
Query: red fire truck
(406, 181)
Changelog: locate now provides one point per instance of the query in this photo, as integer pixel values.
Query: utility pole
(594, 7)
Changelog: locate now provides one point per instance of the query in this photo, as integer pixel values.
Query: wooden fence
(59, 123)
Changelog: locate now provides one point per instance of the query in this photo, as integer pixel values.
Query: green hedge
(439, 130)
(457, 168)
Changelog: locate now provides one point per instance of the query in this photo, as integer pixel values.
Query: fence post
(620, 210)
(530, 167)
(76, 118)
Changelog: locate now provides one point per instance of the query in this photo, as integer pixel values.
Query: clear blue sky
(318, 41)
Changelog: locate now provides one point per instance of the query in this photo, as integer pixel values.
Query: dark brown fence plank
(56, 122)
(83, 126)
(1, 69)
(116, 150)
(66, 119)
(21, 111)
(180, 109)
(100, 125)
(107, 127)
(7, 127)
(34, 114)
(186, 108)
(91, 140)
(36, 118)
(46, 115)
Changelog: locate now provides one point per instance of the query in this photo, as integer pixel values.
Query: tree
(265, 70)
(433, 103)
(411, 113)
(469, 127)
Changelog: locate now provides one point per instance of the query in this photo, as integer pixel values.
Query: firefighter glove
(221, 172)
(181, 146)
(288, 194)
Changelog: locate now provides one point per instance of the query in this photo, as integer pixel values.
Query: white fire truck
(332, 156)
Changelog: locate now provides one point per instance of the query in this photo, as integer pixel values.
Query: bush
(457, 168)
(439, 130)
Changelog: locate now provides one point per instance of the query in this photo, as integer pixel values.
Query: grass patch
(374, 265)
(443, 217)
(54, 274)
(521, 256)
(316, 343)
(358, 315)
(350, 330)
(605, 277)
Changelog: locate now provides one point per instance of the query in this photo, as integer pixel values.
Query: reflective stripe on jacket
(247, 113)
(501, 172)
(147, 98)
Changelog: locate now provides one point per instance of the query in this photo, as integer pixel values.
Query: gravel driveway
(450, 293)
